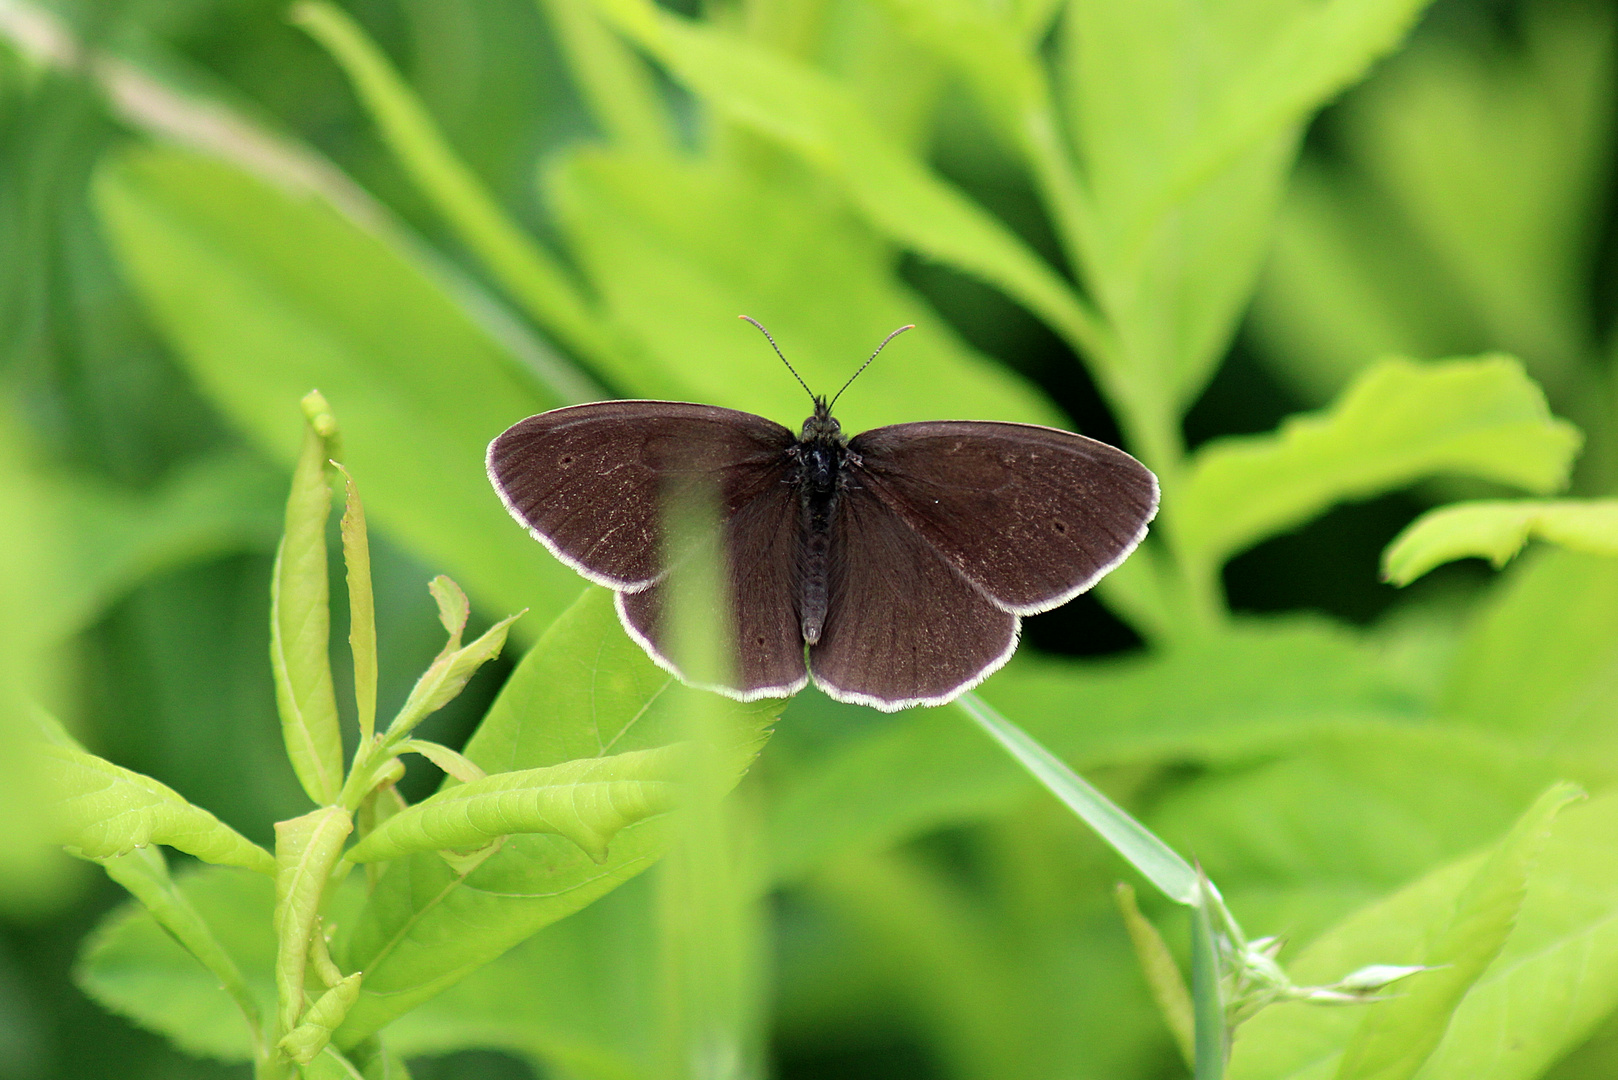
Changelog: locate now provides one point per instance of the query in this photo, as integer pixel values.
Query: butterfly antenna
(879, 348)
(781, 354)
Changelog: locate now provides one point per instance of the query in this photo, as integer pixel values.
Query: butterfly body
(819, 477)
(892, 568)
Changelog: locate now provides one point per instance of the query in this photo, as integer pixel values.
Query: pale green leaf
(134, 967)
(453, 610)
(679, 249)
(1139, 846)
(361, 607)
(1171, 273)
(821, 121)
(457, 765)
(267, 294)
(585, 690)
(1315, 51)
(528, 272)
(1552, 983)
(588, 801)
(450, 672)
(1399, 422)
(310, 1037)
(300, 617)
(619, 86)
(1539, 662)
(1496, 530)
(1259, 686)
(1162, 974)
(1397, 1036)
(145, 874)
(107, 811)
(306, 849)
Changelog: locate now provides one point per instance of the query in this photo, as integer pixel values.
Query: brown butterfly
(892, 568)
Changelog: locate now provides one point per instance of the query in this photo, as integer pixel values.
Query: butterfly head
(822, 427)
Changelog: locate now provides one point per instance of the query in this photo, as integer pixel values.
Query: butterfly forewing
(1031, 515)
(903, 626)
(588, 481)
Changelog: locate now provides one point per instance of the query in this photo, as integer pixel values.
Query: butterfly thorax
(820, 452)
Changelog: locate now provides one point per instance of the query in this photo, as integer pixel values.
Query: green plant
(1113, 172)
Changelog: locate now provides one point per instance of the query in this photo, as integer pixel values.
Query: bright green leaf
(1261, 685)
(306, 850)
(585, 690)
(300, 617)
(145, 874)
(528, 272)
(1553, 982)
(622, 92)
(1539, 662)
(311, 1036)
(1162, 974)
(588, 801)
(1399, 422)
(1397, 1036)
(449, 673)
(134, 967)
(679, 249)
(820, 120)
(1496, 530)
(361, 607)
(109, 811)
(267, 294)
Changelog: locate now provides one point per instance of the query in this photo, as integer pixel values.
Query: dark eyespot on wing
(1031, 515)
(587, 480)
(903, 626)
(761, 545)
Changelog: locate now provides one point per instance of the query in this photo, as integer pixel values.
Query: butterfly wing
(588, 482)
(903, 626)
(1031, 515)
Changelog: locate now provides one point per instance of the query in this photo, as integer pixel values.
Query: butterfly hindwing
(903, 626)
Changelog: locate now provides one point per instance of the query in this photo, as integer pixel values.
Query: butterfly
(892, 568)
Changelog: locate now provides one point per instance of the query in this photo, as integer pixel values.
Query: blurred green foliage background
(1325, 742)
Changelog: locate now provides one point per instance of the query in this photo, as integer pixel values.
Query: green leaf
(1552, 983)
(1397, 1036)
(1539, 662)
(105, 539)
(361, 607)
(585, 690)
(1314, 52)
(1207, 998)
(588, 801)
(442, 682)
(1399, 422)
(145, 874)
(1260, 686)
(456, 764)
(679, 249)
(1162, 974)
(1496, 530)
(109, 811)
(1502, 199)
(821, 121)
(137, 969)
(267, 293)
(1170, 269)
(528, 272)
(310, 1037)
(306, 849)
(300, 617)
(620, 88)
(1138, 845)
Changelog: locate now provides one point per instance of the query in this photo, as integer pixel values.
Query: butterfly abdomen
(819, 475)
